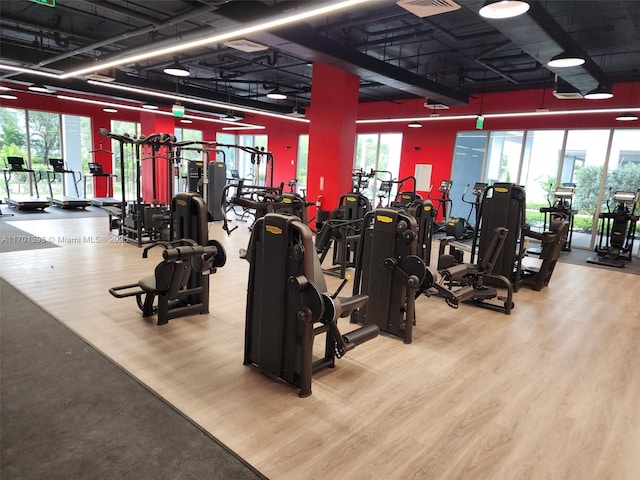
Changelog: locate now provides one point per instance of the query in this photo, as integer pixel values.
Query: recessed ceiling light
(599, 93)
(414, 124)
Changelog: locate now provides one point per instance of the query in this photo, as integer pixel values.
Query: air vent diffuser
(427, 8)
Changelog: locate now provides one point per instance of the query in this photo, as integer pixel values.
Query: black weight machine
(342, 232)
(389, 271)
(617, 230)
(459, 282)
(210, 181)
(537, 273)
(17, 168)
(561, 207)
(502, 205)
(255, 200)
(288, 305)
(65, 201)
(180, 283)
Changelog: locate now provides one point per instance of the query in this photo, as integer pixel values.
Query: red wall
(436, 138)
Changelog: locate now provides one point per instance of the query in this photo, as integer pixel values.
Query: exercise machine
(179, 285)
(389, 271)
(15, 169)
(536, 273)
(340, 234)
(561, 207)
(502, 205)
(617, 230)
(460, 228)
(471, 282)
(288, 305)
(444, 203)
(65, 201)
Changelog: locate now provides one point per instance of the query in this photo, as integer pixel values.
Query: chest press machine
(288, 305)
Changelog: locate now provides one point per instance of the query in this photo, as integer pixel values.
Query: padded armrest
(349, 304)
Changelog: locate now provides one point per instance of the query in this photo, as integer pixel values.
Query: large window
(380, 153)
(255, 169)
(595, 161)
(302, 162)
(128, 177)
(39, 136)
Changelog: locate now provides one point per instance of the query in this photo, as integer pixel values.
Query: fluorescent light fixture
(157, 112)
(110, 110)
(12, 68)
(497, 9)
(198, 101)
(565, 60)
(414, 124)
(4, 89)
(185, 120)
(259, 26)
(276, 94)
(499, 115)
(599, 93)
(150, 106)
(627, 117)
(8, 96)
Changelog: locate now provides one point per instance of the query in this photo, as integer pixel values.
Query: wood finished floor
(550, 392)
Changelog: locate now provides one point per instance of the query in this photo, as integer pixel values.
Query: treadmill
(95, 171)
(58, 168)
(23, 202)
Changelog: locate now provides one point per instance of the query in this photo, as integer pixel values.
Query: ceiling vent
(435, 105)
(108, 76)
(245, 45)
(565, 91)
(428, 8)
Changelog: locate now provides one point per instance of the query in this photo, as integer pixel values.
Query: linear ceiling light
(414, 124)
(157, 112)
(565, 60)
(220, 37)
(13, 68)
(8, 96)
(198, 101)
(497, 9)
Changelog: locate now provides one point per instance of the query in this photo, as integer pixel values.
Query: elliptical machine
(617, 230)
(460, 228)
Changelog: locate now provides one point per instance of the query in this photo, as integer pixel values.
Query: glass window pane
(539, 171)
(505, 149)
(302, 161)
(13, 143)
(132, 129)
(468, 158)
(586, 151)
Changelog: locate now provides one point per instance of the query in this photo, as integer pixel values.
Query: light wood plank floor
(550, 392)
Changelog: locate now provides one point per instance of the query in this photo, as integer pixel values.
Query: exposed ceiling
(444, 57)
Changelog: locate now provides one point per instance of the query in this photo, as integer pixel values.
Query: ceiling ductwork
(539, 35)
